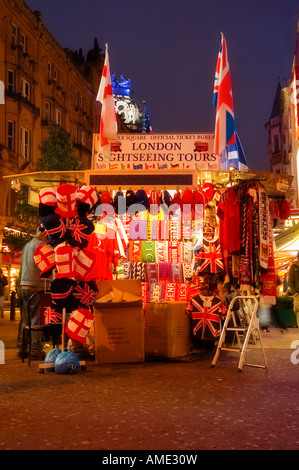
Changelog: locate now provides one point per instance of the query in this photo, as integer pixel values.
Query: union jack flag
(52, 316)
(227, 143)
(205, 313)
(77, 230)
(85, 294)
(209, 258)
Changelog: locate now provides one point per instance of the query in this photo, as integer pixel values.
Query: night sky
(169, 48)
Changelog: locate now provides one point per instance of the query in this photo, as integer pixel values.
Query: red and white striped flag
(108, 126)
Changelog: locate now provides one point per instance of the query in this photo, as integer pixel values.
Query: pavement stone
(156, 405)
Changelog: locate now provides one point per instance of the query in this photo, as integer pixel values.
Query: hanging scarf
(263, 226)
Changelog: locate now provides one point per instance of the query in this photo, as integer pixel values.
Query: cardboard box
(167, 329)
(119, 325)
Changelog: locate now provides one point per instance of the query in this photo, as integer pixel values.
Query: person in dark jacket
(3, 283)
(30, 283)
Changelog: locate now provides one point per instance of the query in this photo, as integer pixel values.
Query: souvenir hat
(79, 324)
(64, 259)
(85, 292)
(154, 202)
(142, 198)
(47, 201)
(66, 200)
(274, 208)
(62, 293)
(53, 228)
(84, 261)
(44, 257)
(87, 198)
(79, 230)
(48, 197)
(130, 198)
(119, 203)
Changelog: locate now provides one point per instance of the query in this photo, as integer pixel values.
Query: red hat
(48, 196)
(274, 209)
(87, 195)
(66, 200)
(64, 258)
(154, 202)
(208, 189)
(84, 261)
(79, 324)
(44, 257)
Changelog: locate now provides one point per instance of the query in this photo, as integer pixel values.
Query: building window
(49, 70)
(81, 102)
(47, 112)
(25, 89)
(25, 143)
(75, 134)
(14, 35)
(58, 117)
(55, 77)
(11, 136)
(76, 98)
(83, 139)
(23, 43)
(11, 81)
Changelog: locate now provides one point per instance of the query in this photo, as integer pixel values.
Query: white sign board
(158, 152)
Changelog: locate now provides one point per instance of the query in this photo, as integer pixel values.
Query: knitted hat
(64, 259)
(79, 231)
(84, 262)
(53, 228)
(85, 292)
(66, 200)
(62, 293)
(176, 199)
(44, 257)
(154, 202)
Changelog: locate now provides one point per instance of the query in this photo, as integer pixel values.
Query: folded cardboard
(119, 324)
(167, 329)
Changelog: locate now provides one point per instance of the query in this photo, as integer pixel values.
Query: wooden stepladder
(245, 325)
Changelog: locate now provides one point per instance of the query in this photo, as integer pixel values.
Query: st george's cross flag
(108, 125)
(227, 143)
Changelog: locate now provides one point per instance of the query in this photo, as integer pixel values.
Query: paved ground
(182, 406)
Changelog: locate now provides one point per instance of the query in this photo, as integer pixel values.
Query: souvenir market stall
(189, 237)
